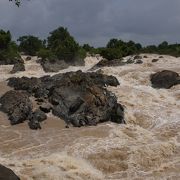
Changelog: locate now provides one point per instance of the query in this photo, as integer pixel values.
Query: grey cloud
(96, 21)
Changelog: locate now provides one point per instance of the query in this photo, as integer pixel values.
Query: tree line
(61, 45)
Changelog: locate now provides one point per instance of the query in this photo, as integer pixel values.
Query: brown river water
(147, 147)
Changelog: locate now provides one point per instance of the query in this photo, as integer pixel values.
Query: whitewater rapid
(147, 147)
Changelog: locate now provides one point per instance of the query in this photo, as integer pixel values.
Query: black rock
(28, 58)
(130, 61)
(7, 174)
(155, 60)
(79, 98)
(17, 105)
(18, 67)
(37, 115)
(108, 63)
(55, 65)
(137, 57)
(45, 107)
(165, 79)
(35, 118)
(139, 61)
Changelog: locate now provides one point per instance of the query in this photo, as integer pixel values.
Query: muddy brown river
(147, 147)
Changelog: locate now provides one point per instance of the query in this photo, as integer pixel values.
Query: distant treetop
(17, 2)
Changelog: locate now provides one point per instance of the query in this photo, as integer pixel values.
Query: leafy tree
(30, 44)
(5, 39)
(163, 45)
(62, 44)
(116, 49)
(45, 53)
(8, 49)
(87, 47)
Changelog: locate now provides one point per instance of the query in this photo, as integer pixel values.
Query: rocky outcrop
(79, 98)
(7, 174)
(18, 67)
(137, 57)
(139, 61)
(135, 60)
(53, 66)
(108, 63)
(17, 105)
(165, 79)
(56, 65)
(35, 118)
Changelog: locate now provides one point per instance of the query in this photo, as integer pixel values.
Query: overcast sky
(95, 21)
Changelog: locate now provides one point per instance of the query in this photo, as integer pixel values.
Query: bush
(30, 45)
(8, 49)
(46, 54)
(111, 53)
(117, 49)
(62, 44)
(5, 39)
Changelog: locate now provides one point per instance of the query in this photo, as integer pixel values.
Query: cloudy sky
(95, 21)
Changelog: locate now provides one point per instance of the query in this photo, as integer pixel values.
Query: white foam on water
(147, 147)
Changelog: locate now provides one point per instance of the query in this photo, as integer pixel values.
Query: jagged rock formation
(79, 98)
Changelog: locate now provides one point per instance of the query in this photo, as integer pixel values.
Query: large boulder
(108, 63)
(55, 65)
(165, 79)
(78, 98)
(17, 105)
(7, 174)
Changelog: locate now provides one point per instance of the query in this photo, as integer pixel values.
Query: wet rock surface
(56, 65)
(18, 67)
(155, 60)
(108, 63)
(165, 79)
(17, 105)
(78, 98)
(7, 174)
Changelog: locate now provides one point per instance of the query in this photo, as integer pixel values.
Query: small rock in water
(139, 61)
(28, 58)
(45, 107)
(155, 60)
(137, 57)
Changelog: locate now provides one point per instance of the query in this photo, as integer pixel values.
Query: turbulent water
(147, 147)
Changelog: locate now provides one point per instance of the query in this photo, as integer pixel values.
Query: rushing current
(147, 147)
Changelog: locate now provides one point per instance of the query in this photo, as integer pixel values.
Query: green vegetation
(60, 45)
(163, 48)
(8, 49)
(30, 44)
(63, 45)
(116, 49)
